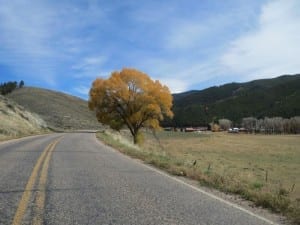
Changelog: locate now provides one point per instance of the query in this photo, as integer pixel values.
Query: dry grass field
(262, 168)
(16, 122)
(61, 111)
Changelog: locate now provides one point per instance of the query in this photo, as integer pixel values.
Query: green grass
(264, 169)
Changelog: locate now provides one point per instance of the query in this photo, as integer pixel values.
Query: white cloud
(182, 45)
(83, 90)
(91, 67)
(148, 12)
(175, 85)
(186, 35)
(179, 75)
(272, 48)
(42, 38)
(190, 46)
(25, 28)
(89, 62)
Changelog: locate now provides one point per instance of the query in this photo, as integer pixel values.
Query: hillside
(59, 110)
(259, 98)
(16, 121)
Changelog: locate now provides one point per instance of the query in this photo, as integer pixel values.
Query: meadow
(264, 169)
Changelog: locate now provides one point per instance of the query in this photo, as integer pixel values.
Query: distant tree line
(274, 125)
(8, 87)
(267, 125)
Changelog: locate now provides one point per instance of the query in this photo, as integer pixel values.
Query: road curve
(74, 179)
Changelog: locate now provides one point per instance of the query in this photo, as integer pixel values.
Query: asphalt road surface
(74, 179)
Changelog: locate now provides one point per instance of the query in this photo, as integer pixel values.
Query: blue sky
(186, 44)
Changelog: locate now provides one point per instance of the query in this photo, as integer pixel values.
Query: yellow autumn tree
(130, 98)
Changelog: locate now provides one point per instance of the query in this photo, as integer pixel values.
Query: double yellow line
(41, 169)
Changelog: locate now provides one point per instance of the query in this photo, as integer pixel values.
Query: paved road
(74, 179)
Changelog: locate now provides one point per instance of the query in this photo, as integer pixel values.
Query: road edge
(197, 187)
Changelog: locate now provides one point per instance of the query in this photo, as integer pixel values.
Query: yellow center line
(41, 194)
(23, 204)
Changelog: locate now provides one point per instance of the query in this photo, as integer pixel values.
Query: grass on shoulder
(6, 137)
(264, 169)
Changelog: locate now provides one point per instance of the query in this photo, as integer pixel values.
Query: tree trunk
(135, 138)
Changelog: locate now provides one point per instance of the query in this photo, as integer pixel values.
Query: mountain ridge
(278, 96)
(272, 97)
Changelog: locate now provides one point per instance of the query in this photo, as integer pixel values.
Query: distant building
(233, 130)
(189, 129)
(195, 129)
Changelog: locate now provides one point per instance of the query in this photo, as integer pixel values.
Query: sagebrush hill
(17, 122)
(259, 98)
(60, 111)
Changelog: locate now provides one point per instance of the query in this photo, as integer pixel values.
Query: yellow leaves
(130, 97)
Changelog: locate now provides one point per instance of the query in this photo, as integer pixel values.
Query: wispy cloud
(82, 90)
(186, 35)
(188, 50)
(42, 38)
(272, 47)
(185, 45)
(88, 66)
